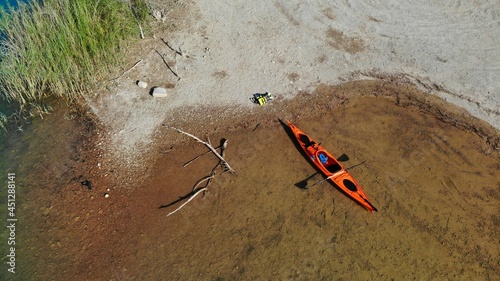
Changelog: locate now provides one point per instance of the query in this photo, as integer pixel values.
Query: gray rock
(142, 84)
(159, 92)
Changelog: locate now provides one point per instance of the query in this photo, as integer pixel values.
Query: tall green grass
(61, 48)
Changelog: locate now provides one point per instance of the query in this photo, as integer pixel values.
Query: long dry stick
(210, 177)
(224, 162)
(192, 160)
(136, 64)
(180, 53)
(140, 28)
(168, 66)
(190, 198)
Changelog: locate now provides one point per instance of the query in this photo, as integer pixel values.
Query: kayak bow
(331, 168)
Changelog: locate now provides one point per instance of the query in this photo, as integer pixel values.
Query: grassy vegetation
(61, 48)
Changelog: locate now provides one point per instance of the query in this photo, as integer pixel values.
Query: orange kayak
(332, 168)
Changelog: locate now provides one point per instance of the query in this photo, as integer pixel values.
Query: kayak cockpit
(334, 168)
(350, 185)
(306, 141)
(329, 163)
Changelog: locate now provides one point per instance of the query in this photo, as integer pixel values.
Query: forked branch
(208, 179)
(185, 203)
(224, 162)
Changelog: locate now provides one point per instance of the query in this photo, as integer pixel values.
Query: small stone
(106, 195)
(142, 84)
(157, 15)
(159, 92)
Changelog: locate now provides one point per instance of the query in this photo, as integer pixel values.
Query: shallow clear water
(434, 205)
(435, 186)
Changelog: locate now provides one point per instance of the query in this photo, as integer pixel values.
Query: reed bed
(61, 48)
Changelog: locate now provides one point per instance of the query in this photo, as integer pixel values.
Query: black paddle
(355, 165)
(303, 184)
(319, 182)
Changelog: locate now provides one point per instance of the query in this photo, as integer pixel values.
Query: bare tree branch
(208, 179)
(180, 53)
(169, 68)
(224, 162)
(190, 198)
(136, 64)
(192, 160)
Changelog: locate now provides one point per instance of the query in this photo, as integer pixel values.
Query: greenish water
(12, 149)
(23, 148)
(6, 109)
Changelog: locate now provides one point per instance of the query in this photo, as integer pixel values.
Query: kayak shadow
(301, 184)
(290, 134)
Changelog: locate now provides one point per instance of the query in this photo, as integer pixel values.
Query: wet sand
(431, 172)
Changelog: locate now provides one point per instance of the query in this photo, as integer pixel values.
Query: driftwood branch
(208, 179)
(195, 192)
(140, 29)
(134, 12)
(179, 52)
(192, 160)
(136, 64)
(224, 162)
(185, 203)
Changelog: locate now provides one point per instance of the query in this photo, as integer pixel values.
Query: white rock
(157, 15)
(159, 92)
(106, 195)
(142, 84)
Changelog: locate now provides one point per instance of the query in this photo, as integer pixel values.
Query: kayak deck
(331, 168)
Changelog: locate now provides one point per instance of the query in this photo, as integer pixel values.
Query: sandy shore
(223, 53)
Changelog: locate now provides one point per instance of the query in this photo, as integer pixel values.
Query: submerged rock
(87, 183)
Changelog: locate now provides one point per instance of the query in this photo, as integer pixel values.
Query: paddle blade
(302, 184)
(343, 158)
